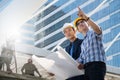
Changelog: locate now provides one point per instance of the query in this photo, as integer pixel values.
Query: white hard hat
(66, 25)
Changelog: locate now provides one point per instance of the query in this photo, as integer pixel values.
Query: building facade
(4, 4)
(54, 13)
(26, 33)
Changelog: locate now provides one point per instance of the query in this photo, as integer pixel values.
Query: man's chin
(69, 38)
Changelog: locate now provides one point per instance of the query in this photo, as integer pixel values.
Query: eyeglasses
(79, 22)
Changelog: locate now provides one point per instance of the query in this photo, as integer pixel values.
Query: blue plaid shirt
(92, 48)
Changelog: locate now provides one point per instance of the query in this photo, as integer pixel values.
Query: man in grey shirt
(29, 68)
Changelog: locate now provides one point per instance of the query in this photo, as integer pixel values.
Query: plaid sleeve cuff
(99, 35)
(79, 60)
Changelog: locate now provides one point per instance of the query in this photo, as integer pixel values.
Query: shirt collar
(73, 41)
(87, 34)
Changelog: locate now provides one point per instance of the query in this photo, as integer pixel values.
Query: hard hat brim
(78, 19)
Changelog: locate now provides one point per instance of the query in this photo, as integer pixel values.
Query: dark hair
(73, 28)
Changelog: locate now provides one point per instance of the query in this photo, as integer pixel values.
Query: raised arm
(90, 22)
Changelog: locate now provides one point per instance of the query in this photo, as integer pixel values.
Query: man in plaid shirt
(92, 57)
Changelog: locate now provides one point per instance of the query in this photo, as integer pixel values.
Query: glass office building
(54, 13)
(4, 4)
(26, 33)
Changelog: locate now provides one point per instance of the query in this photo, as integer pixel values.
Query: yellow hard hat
(78, 19)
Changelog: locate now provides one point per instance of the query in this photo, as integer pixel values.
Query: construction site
(32, 30)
